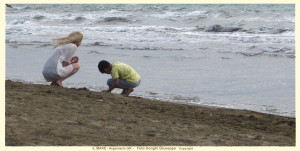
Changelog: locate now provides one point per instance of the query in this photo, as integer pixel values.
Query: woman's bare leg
(75, 69)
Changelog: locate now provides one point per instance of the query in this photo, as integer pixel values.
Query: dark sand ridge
(39, 115)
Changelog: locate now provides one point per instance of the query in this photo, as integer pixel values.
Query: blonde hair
(74, 37)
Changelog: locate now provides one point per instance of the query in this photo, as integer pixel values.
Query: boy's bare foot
(127, 91)
(123, 92)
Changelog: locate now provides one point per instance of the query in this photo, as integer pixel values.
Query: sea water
(231, 56)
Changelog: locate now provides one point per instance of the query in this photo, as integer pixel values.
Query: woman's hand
(64, 63)
(74, 59)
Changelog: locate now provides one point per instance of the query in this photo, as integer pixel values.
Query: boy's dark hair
(103, 65)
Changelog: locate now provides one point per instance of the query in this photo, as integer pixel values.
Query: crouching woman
(62, 63)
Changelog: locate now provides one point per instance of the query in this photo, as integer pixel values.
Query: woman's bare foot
(59, 83)
(56, 83)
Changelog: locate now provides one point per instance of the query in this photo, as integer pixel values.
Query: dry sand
(39, 115)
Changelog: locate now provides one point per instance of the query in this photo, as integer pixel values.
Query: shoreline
(41, 115)
(191, 104)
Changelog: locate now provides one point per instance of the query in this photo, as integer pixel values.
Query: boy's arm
(115, 85)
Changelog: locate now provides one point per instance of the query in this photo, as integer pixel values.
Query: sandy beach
(40, 115)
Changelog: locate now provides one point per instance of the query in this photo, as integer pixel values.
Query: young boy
(123, 76)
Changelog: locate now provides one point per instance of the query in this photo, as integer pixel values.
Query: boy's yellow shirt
(125, 72)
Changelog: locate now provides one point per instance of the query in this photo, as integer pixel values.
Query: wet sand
(40, 115)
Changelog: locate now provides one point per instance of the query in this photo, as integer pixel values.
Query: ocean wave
(181, 58)
(114, 19)
(19, 22)
(72, 21)
(80, 19)
(250, 54)
(171, 14)
(271, 30)
(260, 30)
(150, 48)
(16, 44)
(99, 44)
(37, 44)
(280, 50)
(14, 7)
(280, 31)
(269, 51)
(44, 45)
(39, 17)
(95, 52)
(223, 13)
(219, 28)
(284, 52)
(150, 57)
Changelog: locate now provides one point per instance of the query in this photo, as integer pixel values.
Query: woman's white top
(53, 69)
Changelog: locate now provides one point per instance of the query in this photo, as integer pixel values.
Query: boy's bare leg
(127, 91)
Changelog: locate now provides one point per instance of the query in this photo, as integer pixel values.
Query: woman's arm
(73, 60)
